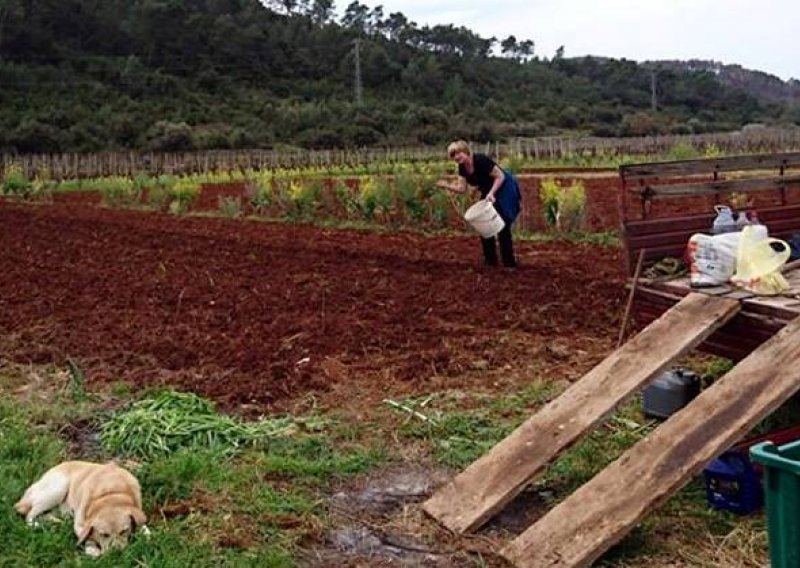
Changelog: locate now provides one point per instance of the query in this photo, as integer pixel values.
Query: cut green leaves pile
(172, 421)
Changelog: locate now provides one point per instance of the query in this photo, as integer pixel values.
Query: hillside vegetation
(91, 75)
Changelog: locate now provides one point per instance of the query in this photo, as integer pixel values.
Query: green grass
(262, 505)
(207, 506)
(458, 431)
(456, 436)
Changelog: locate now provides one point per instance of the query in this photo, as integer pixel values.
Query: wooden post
(627, 313)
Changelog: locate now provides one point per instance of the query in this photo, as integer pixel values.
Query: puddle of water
(389, 490)
(389, 549)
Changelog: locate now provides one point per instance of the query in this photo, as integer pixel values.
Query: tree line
(178, 75)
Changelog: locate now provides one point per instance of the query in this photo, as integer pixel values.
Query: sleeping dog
(104, 499)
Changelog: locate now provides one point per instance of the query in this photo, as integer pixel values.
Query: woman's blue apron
(507, 198)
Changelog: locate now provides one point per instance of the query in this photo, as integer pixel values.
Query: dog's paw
(23, 506)
(145, 530)
(92, 550)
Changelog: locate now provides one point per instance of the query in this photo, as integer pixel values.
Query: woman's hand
(459, 187)
(490, 197)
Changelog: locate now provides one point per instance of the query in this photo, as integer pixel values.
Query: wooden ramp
(485, 487)
(601, 512)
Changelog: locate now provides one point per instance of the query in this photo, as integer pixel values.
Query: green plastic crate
(782, 498)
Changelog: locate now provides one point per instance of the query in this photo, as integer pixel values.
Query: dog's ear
(138, 518)
(85, 533)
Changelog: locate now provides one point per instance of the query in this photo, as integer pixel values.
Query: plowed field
(259, 315)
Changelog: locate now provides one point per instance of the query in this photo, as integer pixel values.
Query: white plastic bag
(712, 258)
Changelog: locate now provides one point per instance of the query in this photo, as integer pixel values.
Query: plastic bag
(712, 259)
(758, 263)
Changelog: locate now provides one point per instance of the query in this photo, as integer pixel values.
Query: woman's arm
(460, 186)
(498, 178)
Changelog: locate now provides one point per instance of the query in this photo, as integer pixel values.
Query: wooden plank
(694, 223)
(788, 216)
(778, 307)
(667, 191)
(734, 340)
(481, 490)
(674, 243)
(602, 511)
(709, 166)
(680, 239)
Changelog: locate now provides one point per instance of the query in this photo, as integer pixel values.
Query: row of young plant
(405, 199)
(165, 193)
(516, 162)
(401, 200)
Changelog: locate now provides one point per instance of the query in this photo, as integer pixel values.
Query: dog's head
(109, 528)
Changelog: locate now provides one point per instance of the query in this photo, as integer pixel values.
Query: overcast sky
(756, 34)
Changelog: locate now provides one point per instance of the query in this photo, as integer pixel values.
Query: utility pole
(358, 85)
(653, 99)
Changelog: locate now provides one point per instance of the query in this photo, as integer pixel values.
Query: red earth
(260, 315)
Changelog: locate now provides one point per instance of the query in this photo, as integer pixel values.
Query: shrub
(408, 192)
(682, 151)
(165, 136)
(159, 192)
(182, 194)
(119, 191)
(513, 163)
(366, 198)
(230, 207)
(42, 186)
(548, 195)
(304, 198)
(440, 209)
(261, 200)
(571, 207)
(563, 207)
(15, 182)
(260, 191)
(712, 151)
(384, 198)
(346, 198)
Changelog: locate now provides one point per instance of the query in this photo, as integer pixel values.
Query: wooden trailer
(663, 204)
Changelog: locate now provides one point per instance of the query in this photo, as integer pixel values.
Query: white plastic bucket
(485, 219)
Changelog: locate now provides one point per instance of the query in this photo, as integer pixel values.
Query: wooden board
(481, 490)
(668, 236)
(716, 187)
(581, 528)
(781, 216)
(735, 340)
(709, 166)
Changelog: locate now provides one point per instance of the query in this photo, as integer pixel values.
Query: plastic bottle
(724, 221)
(759, 228)
(741, 220)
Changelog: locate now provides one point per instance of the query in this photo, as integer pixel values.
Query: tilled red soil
(254, 313)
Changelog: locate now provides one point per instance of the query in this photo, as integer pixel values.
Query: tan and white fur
(104, 499)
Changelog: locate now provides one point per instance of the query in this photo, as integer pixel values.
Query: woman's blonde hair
(458, 146)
